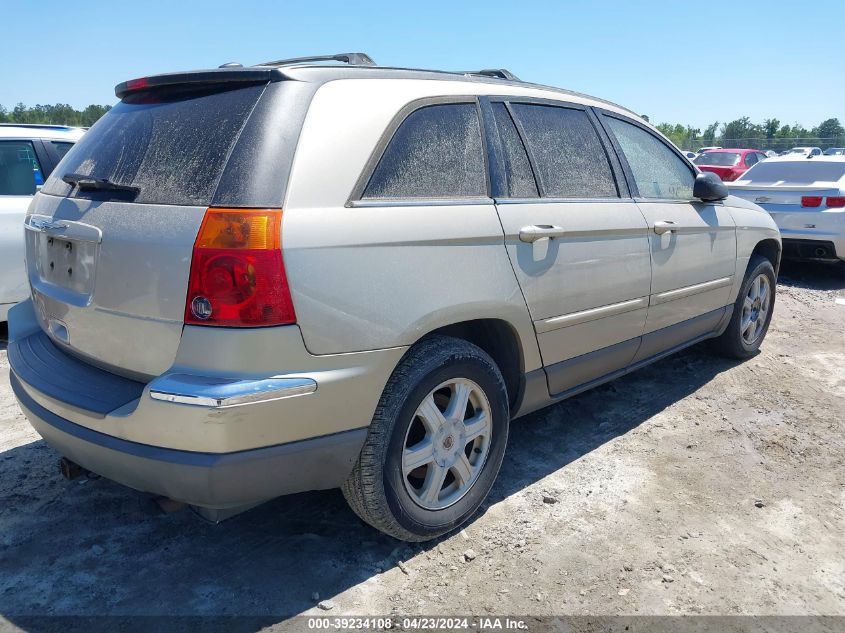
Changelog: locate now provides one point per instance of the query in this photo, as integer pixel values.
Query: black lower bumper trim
(213, 480)
(809, 250)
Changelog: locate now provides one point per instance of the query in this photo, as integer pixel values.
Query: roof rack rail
(353, 59)
(498, 73)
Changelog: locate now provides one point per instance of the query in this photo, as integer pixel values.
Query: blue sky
(685, 61)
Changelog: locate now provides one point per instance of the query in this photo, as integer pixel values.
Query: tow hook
(70, 470)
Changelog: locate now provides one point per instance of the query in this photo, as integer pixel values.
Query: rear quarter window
(172, 145)
(435, 153)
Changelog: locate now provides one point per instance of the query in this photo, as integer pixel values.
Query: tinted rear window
(567, 152)
(794, 173)
(435, 153)
(172, 145)
(718, 159)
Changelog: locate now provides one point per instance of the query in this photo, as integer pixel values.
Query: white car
(28, 153)
(805, 151)
(806, 198)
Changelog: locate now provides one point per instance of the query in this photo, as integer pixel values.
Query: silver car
(28, 154)
(806, 199)
(249, 282)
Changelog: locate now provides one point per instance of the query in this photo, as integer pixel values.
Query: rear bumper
(804, 231)
(241, 418)
(210, 480)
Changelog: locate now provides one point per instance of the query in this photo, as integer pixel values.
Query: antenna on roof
(353, 59)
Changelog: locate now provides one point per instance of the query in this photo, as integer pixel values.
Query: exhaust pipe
(69, 469)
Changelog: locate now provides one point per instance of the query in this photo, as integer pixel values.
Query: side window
(435, 153)
(520, 179)
(20, 172)
(658, 171)
(751, 159)
(61, 148)
(567, 152)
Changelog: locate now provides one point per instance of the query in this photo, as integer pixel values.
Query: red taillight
(836, 202)
(237, 273)
(136, 84)
(811, 201)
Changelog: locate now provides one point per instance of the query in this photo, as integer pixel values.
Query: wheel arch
(771, 250)
(500, 339)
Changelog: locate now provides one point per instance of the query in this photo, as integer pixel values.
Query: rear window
(718, 159)
(794, 173)
(435, 153)
(172, 144)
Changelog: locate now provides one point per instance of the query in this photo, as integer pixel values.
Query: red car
(728, 164)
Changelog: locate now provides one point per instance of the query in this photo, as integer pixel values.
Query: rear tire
(435, 444)
(752, 312)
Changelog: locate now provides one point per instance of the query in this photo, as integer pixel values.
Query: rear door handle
(536, 232)
(664, 226)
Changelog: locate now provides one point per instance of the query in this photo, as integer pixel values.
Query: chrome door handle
(664, 226)
(539, 231)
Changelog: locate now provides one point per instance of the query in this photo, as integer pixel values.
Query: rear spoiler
(198, 78)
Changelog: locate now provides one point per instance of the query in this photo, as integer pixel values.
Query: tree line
(57, 114)
(770, 134)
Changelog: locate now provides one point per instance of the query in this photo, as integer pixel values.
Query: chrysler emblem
(762, 199)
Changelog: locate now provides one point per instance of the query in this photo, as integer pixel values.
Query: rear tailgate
(109, 268)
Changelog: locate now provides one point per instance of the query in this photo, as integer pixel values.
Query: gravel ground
(695, 486)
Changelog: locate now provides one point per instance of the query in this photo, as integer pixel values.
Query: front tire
(435, 444)
(752, 312)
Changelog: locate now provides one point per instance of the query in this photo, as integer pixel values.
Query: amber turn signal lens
(256, 229)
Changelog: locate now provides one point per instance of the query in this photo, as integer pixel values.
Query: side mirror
(709, 187)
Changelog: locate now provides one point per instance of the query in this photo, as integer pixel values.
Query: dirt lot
(696, 486)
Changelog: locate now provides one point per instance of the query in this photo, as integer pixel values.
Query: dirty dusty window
(435, 153)
(520, 180)
(567, 152)
(658, 171)
(171, 144)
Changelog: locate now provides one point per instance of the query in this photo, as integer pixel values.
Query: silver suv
(249, 282)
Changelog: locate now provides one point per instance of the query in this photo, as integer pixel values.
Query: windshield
(794, 173)
(719, 159)
(170, 145)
